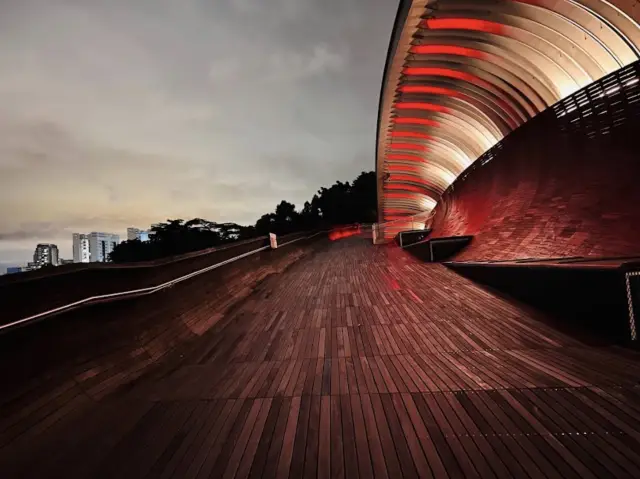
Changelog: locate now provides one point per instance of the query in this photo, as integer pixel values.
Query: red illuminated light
(345, 232)
(407, 146)
(430, 90)
(414, 179)
(415, 121)
(463, 24)
(410, 134)
(447, 73)
(422, 106)
(448, 50)
(401, 157)
(405, 168)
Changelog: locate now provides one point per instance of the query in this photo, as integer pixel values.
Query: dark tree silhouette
(340, 204)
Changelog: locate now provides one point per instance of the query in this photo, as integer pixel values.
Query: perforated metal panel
(593, 111)
(603, 105)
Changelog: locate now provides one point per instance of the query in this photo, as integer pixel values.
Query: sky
(118, 113)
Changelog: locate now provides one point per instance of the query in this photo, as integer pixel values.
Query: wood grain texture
(357, 361)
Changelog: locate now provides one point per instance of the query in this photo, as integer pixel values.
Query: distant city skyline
(80, 250)
(66, 250)
(164, 109)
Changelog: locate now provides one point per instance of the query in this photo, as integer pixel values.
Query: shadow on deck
(353, 361)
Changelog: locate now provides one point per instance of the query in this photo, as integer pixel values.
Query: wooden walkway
(361, 362)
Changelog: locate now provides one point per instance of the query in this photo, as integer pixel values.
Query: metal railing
(632, 316)
(138, 292)
(385, 232)
(82, 267)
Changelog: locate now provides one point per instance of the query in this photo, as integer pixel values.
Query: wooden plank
(243, 455)
(213, 453)
(399, 439)
(288, 441)
(355, 362)
(313, 439)
(324, 439)
(353, 408)
(300, 445)
(275, 418)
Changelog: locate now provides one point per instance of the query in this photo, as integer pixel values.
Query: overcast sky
(117, 113)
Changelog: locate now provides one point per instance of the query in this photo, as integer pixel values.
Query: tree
(340, 204)
(364, 196)
(265, 224)
(286, 218)
(176, 236)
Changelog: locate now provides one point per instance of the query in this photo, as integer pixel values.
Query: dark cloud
(124, 113)
(32, 231)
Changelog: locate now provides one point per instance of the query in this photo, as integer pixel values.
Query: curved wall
(462, 74)
(564, 184)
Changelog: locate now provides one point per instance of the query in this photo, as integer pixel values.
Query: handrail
(13, 279)
(141, 291)
(632, 317)
(419, 218)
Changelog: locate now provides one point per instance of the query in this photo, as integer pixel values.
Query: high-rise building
(93, 247)
(101, 245)
(45, 254)
(81, 252)
(137, 234)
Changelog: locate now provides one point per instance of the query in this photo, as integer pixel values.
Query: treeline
(340, 204)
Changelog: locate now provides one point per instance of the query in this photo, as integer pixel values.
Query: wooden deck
(361, 362)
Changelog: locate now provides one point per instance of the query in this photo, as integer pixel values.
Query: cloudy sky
(117, 113)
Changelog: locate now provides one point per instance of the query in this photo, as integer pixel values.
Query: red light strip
(407, 146)
(448, 50)
(340, 233)
(415, 121)
(414, 179)
(396, 167)
(447, 73)
(422, 106)
(401, 157)
(410, 134)
(463, 24)
(431, 90)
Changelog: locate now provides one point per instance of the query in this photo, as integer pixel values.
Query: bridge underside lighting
(465, 74)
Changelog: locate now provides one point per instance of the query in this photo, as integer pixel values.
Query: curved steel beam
(462, 74)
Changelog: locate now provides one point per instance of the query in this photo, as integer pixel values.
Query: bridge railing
(387, 231)
(26, 306)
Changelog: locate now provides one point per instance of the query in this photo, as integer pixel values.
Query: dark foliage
(340, 204)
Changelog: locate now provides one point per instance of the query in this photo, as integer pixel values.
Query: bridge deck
(361, 362)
